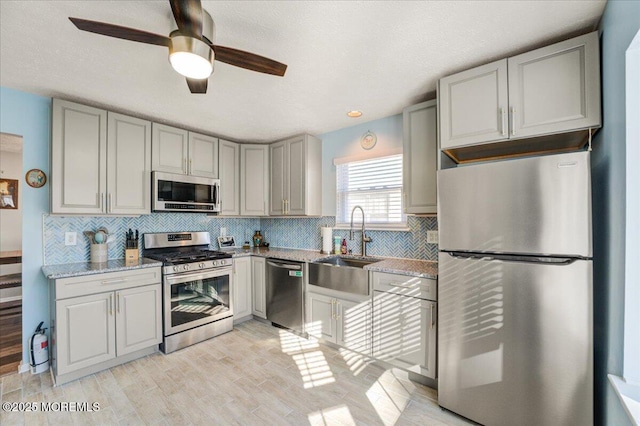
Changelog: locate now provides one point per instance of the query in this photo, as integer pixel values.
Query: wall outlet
(223, 232)
(70, 238)
(432, 237)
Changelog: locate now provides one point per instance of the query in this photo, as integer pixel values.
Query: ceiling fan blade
(117, 31)
(197, 86)
(249, 61)
(188, 16)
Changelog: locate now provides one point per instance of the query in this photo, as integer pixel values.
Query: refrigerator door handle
(553, 260)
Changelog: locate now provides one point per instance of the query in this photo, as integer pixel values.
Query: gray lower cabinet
(103, 320)
(405, 322)
(334, 317)
(241, 288)
(258, 275)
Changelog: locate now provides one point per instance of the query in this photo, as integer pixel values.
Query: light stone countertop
(412, 267)
(78, 269)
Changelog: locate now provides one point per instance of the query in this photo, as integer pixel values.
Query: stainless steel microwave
(182, 193)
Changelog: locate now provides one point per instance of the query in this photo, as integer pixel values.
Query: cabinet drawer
(110, 281)
(423, 288)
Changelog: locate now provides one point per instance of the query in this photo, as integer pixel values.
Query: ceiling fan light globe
(191, 57)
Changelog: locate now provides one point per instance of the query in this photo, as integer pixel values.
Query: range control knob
(201, 265)
(223, 262)
(215, 263)
(185, 268)
(175, 269)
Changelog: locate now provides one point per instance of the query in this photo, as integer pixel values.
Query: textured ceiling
(374, 56)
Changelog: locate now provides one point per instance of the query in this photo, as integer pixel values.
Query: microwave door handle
(216, 194)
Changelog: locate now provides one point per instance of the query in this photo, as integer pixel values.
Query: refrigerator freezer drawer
(515, 341)
(539, 205)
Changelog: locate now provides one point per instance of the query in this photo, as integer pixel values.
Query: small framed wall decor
(8, 193)
(368, 140)
(35, 178)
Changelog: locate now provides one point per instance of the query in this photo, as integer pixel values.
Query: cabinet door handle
(333, 304)
(186, 172)
(404, 201)
(116, 281)
(399, 284)
(102, 201)
(111, 304)
(286, 203)
(512, 112)
(337, 310)
(190, 165)
(432, 323)
(118, 302)
(110, 204)
(283, 206)
(503, 126)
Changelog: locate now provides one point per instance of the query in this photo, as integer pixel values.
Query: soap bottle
(343, 249)
(336, 245)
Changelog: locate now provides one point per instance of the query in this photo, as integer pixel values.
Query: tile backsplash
(302, 233)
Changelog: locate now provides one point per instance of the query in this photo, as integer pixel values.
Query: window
(375, 185)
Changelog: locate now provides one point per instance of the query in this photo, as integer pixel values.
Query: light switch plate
(432, 237)
(70, 238)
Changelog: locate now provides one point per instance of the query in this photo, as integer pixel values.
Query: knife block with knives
(131, 252)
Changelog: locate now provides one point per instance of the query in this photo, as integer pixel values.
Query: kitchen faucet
(365, 239)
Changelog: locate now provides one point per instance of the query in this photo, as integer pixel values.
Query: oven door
(194, 299)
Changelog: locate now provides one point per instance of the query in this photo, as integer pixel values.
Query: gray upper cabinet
(100, 161)
(203, 155)
(128, 165)
(473, 106)
(229, 154)
(420, 151)
(78, 158)
(179, 151)
(554, 89)
(296, 176)
(254, 180)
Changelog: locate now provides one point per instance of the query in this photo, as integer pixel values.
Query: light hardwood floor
(255, 375)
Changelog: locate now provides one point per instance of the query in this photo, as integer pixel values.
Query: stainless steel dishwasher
(285, 294)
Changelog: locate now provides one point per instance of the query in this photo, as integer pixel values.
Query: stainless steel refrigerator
(515, 337)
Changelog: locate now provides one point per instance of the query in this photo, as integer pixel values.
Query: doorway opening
(11, 186)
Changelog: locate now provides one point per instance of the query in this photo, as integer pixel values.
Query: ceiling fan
(191, 48)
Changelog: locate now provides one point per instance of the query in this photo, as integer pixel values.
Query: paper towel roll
(327, 239)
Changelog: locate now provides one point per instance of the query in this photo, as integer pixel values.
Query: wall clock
(368, 140)
(35, 178)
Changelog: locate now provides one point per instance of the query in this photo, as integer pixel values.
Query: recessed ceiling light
(354, 114)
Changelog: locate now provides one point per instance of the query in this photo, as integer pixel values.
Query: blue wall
(29, 115)
(619, 25)
(346, 143)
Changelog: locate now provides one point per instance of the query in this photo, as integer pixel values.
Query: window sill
(372, 227)
(629, 396)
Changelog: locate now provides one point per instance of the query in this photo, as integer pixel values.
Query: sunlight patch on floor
(330, 416)
(355, 361)
(388, 398)
(311, 363)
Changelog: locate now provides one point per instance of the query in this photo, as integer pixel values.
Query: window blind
(375, 185)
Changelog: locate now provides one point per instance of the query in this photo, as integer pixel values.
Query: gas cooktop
(191, 256)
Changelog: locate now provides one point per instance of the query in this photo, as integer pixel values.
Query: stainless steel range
(197, 288)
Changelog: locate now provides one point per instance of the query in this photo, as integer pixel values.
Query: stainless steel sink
(341, 273)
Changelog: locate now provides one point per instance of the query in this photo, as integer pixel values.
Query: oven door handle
(183, 278)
